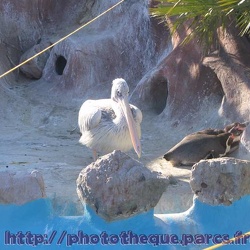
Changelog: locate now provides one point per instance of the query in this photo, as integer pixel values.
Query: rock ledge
(21, 187)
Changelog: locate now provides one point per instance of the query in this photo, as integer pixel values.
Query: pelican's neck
(120, 117)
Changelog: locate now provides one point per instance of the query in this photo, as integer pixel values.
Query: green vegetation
(205, 16)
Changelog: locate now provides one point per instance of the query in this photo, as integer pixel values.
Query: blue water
(35, 226)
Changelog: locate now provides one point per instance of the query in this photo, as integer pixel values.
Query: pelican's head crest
(119, 89)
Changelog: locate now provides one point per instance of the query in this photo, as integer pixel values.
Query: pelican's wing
(89, 116)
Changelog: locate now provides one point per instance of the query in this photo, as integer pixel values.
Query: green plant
(205, 16)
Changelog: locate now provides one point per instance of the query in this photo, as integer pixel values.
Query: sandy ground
(41, 136)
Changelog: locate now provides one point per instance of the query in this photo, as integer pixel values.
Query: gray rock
(21, 187)
(221, 180)
(246, 138)
(117, 186)
(34, 68)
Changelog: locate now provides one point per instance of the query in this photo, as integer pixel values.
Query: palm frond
(206, 16)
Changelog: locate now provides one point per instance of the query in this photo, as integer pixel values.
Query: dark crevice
(60, 64)
(159, 93)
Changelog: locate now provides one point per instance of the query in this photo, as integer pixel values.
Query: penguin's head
(236, 130)
(232, 128)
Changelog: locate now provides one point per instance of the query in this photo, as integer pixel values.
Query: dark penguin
(206, 144)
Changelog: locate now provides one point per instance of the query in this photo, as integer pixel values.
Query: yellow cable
(65, 37)
(229, 241)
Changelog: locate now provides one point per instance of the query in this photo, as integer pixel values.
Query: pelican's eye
(118, 93)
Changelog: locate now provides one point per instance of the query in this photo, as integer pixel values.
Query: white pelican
(111, 124)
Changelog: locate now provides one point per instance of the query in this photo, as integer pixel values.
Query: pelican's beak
(131, 125)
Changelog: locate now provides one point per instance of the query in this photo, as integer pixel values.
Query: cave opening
(159, 94)
(60, 64)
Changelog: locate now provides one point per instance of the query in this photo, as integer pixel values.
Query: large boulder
(21, 187)
(117, 186)
(34, 68)
(220, 181)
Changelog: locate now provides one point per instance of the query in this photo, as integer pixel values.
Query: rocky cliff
(125, 42)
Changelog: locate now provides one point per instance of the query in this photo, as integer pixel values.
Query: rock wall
(193, 79)
(85, 63)
(97, 54)
(231, 65)
(181, 79)
(171, 79)
(105, 50)
(25, 23)
(126, 42)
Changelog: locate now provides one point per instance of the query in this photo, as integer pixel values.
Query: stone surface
(246, 138)
(34, 68)
(231, 65)
(220, 181)
(173, 87)
(99, 53)
(117, 186)
(19, 188)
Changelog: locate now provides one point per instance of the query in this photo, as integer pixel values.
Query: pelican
(111, 124)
